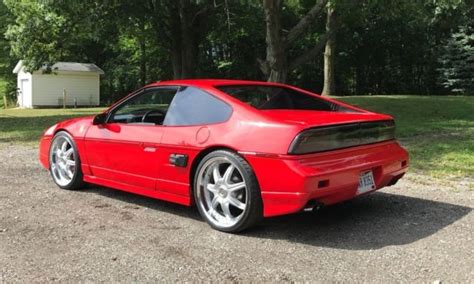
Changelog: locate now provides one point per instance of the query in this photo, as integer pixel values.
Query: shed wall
(80, 87)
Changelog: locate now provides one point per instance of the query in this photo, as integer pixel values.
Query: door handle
(149, 147)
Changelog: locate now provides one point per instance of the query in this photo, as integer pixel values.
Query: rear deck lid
(321, 118)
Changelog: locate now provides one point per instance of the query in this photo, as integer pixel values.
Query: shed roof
(67, 66)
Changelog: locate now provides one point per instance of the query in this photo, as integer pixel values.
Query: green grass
(27, 125)
(437, 131)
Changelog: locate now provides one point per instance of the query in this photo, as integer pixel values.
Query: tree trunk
(189, 57)
(176, 44)
(276, 61)
(185, 30)
(329, 88)
(143, 55)
(189, 47)
(276, 65)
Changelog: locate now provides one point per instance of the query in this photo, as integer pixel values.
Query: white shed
(80, 80)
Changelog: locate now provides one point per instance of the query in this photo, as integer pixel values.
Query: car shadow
(143, 201)
(369, 222)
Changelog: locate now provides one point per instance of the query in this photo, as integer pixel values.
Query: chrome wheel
(221, 192)
(62, 160)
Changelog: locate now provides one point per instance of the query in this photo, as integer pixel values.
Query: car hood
(307, 118)
(76, 122)
(77, 127)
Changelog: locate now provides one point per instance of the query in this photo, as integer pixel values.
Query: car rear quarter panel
(288, 182)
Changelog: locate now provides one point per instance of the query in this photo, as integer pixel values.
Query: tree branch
(309, 54)
(204, 12)
(273, 37)
(264, 67)
(160, 26)
(304, 23)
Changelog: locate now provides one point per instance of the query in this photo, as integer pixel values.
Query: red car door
(188, 123)
(125, 148)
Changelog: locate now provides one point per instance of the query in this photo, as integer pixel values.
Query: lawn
(438, 131)
(26, 125)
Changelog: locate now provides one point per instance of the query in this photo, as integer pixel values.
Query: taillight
(342, 136)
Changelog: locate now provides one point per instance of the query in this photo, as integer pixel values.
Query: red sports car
(239, 150)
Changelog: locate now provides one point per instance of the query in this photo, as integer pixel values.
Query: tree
(45, 32)
(113, 35)
(329, 87)
(229, 48)
(36, 34)
(7, 62)
(457, 62)
(181, 26)
(277, 64)
(392, 47)
(383, 46)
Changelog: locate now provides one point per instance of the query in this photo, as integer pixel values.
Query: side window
(192, 106)
(149, 107)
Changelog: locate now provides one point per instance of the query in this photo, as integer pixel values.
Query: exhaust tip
(313, 206)
(395, 179)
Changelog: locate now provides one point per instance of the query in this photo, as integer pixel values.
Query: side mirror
(100, 119)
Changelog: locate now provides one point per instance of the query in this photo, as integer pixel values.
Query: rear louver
(342, 136)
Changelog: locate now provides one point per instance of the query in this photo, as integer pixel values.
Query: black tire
(253, 212)
(76, 181)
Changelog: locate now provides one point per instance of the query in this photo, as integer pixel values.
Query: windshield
(273, 97)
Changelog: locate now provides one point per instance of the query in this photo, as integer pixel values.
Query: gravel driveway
(417, 230)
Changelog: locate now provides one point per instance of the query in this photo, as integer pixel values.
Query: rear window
(273, 97)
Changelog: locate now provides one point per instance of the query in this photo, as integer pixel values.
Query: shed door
(25, 93)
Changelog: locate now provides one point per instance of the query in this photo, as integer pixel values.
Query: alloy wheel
(222, 192)
(62, 161)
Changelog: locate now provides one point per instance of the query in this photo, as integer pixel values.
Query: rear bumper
(289, 183)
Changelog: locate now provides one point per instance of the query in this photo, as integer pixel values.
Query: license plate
(366, 182)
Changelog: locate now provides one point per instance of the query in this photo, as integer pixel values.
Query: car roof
(212, 82)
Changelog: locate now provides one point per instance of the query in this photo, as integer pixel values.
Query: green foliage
(7, 62)
(457, 62)
(231, 47)
(383, 46)
(39, 34)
